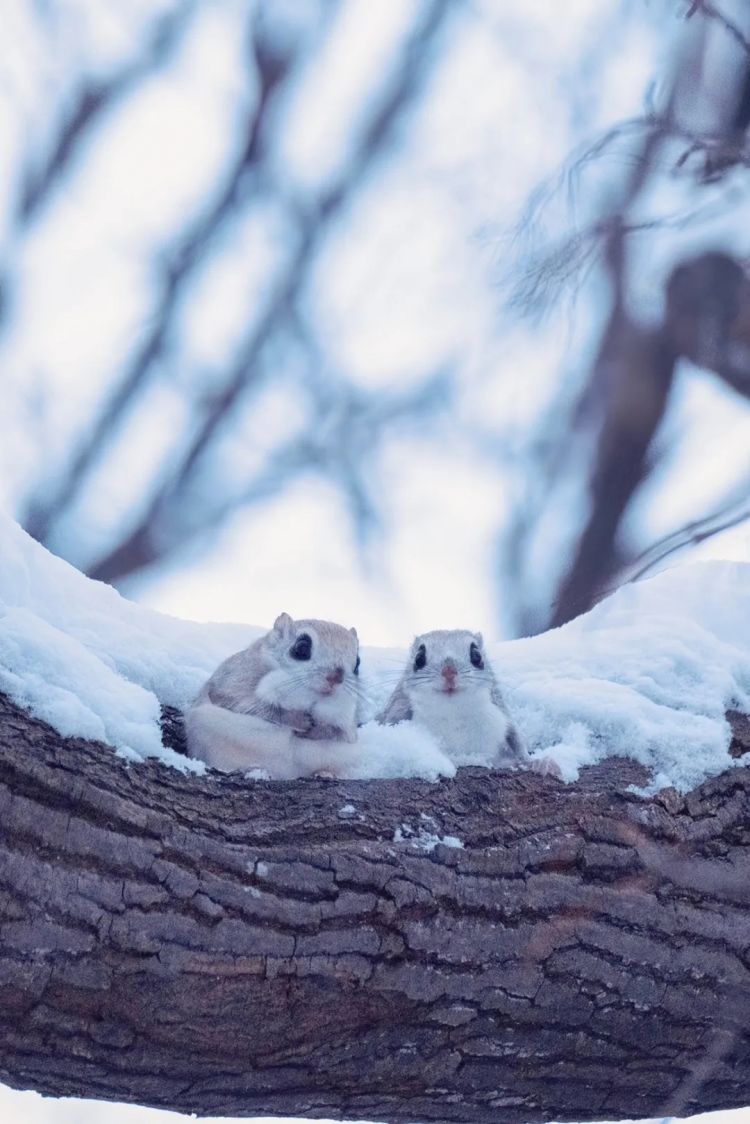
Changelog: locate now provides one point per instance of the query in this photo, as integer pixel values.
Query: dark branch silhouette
(609, 431)
(156, 533)
(91, 102)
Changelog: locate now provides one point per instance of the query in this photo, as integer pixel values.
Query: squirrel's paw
(301, 722)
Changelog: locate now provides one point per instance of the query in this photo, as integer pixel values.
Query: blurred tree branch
(707, 322)
(601, 427)
(172, 516)
(627, 394)
(712, 12)
(179, 266)
(90, 103)
(732, 513)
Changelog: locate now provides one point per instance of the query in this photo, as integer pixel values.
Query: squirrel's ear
(283, 624)
(479, 638)
(354, 633)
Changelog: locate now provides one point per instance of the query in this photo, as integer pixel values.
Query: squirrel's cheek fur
(277, 688)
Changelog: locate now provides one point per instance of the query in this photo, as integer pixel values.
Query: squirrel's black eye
(476, 656)
(421, 658)
(301, 649)
(356, 667)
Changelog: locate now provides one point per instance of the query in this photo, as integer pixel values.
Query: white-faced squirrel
(449, 687)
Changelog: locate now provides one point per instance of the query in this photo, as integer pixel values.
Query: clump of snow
(649, 673)
(257, 775)
(88, 661)
(406, 750)
(422, 839)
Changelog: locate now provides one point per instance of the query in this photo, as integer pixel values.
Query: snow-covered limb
(495, 944)
(576, 952)
(651, 671)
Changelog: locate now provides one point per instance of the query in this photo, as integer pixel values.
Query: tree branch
(94, 98)
(172, 517)
(180, 265)
(216, 946)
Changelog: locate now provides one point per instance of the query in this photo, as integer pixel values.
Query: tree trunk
(213, 945)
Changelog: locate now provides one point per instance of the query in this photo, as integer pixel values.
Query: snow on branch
(491, 944)
(655, 669)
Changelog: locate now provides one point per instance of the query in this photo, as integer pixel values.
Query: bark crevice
(219, 947)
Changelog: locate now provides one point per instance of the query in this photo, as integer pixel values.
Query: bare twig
(696, 531)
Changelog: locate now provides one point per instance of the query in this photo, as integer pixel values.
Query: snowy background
(271, 339)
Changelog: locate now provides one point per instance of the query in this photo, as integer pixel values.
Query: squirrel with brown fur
(287, 705)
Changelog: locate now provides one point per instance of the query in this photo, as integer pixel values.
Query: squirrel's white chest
(467, 726)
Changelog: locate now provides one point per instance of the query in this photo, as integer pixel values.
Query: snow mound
(399, 751)
(650, 672)
(91, 663)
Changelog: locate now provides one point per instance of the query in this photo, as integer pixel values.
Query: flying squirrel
(449, 687)
(287, 704)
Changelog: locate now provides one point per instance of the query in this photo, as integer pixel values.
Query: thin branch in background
(691, 534)
(180, 265)
(536, 278)
(91, 102)
(539, 284)
(150, 540)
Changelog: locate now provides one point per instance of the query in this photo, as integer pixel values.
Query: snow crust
(91, 663)
(650, 672)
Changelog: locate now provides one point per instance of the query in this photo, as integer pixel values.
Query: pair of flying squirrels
(289, 705)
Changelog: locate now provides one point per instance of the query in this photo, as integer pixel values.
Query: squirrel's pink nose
(449, 673)
(336, 675)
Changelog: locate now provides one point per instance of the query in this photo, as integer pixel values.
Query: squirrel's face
(448, 661)
(314, 664)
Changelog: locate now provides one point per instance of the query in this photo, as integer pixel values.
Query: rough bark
(218, 946)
